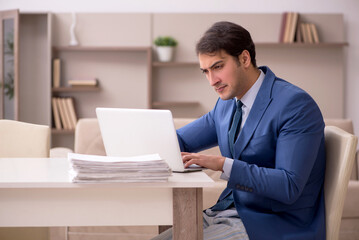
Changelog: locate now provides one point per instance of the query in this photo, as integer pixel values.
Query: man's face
(224, 73)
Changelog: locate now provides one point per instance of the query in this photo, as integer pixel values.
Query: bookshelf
(130, 76)
(82, 93)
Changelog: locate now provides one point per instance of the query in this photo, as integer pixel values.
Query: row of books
(64, 113)
(308, 33)
(80, 81)
(93, 168)
(294, 30)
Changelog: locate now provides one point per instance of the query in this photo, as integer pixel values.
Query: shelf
(263, 44)
(62, 131)
(160, 104)
(175, 64)
(302, 45)
(76, 89)
(101, 49)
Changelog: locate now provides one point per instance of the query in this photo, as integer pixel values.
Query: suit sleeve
(301, 135)
(199, 134)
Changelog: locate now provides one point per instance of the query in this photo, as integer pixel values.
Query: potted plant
(165, 48)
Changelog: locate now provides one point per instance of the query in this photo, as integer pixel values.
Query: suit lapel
(259, 107)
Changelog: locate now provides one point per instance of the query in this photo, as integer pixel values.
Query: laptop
(132, 132)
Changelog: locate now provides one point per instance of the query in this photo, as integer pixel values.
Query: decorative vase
(165, 53)
(73, 40)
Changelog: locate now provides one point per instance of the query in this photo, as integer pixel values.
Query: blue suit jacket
(279, 160)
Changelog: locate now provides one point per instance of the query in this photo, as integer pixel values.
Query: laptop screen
(132, 132)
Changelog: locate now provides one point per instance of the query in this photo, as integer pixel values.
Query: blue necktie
(236, 125)
(232, 135)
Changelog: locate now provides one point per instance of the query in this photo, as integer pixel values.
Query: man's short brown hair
(229, 37)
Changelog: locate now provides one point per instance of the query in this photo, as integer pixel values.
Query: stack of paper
(93, 168)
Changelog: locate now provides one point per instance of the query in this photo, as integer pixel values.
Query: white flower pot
(164, 53)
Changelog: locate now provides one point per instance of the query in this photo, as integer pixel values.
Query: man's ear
(245, 58)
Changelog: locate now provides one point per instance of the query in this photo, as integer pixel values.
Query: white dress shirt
(247, 100)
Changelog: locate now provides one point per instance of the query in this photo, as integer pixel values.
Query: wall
(348, 7)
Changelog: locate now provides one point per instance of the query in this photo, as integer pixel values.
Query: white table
(38, 192)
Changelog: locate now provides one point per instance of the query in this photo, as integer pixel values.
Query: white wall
(349, 8)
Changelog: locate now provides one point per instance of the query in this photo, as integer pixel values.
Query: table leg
(187, 214)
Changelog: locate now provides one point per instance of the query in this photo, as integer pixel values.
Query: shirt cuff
(227, 168)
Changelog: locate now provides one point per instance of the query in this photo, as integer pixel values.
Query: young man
(271, 137)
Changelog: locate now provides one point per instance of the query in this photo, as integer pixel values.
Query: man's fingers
(187, 158)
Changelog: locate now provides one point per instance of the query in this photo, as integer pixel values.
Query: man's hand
(208, 161)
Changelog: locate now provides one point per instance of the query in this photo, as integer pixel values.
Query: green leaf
(165, 41)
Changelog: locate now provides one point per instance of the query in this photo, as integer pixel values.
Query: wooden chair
(340, 151)
(23, 140)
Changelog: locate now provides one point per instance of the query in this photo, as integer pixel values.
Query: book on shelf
(72, 112)
(288, 27)
(67, 113)
(56, 114)
(309, 33)
(93, 168)
(83, 82)
(56, 72)
(314, 32)
(304, 32)
(283, 27)
(292, 29)
(298, 34)
(64, 113)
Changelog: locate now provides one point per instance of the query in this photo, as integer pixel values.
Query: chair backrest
(88, 139)
(346, 125)
(340, 151)
(342, 123)
(19, 139)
